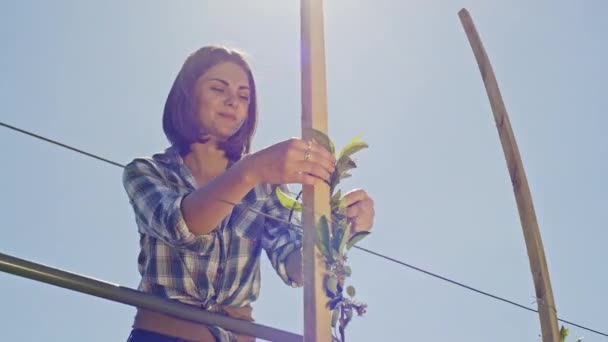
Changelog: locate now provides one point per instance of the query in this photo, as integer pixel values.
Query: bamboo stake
(317, 323)
(534, 245)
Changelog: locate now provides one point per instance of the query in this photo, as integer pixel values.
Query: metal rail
(125, 295)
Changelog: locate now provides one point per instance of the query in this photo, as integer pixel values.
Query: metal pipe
(125, 295)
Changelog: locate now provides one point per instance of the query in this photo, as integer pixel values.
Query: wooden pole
(534, 245)
(317, 322)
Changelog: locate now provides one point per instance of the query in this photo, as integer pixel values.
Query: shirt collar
(170, 156)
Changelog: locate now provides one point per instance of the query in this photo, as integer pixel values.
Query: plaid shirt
(222, 267)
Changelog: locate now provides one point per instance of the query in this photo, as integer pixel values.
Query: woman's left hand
(359, 210)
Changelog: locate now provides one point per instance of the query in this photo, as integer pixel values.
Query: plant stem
(342, 321)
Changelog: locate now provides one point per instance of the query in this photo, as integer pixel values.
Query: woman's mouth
(228, 116)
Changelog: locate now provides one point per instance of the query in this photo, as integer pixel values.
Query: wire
(62, 145)
(470, 288)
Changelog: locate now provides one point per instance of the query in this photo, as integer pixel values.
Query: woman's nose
(231, 99)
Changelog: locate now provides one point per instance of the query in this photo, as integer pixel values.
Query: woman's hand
(293, 161)
(359, 210)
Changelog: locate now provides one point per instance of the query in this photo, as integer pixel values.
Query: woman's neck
(205, 161)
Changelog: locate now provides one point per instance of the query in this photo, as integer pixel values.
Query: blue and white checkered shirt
(222, 267)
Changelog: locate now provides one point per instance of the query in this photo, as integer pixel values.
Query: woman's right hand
(293, 161)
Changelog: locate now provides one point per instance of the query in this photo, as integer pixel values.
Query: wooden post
(317, 322)
(536, 252)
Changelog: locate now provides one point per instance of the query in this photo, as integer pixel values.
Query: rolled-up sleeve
(157, 207)
(280, 238)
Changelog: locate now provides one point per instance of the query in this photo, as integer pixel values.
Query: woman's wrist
(248, 171)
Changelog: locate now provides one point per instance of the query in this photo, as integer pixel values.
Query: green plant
(335, 239)
(564, 332)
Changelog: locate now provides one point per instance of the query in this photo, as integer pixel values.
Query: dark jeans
(139, 335)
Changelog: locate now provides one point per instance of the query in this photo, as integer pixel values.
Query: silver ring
(308, 149)
(307, 155)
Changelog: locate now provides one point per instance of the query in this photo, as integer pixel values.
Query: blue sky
(400, 73)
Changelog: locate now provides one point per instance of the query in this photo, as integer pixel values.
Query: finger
(362, 208)
(325, 154)
(354, 196)
(318, 157)
(359, 224)
(316, 148)
(362, 217)
(353, 211)
(314, 169)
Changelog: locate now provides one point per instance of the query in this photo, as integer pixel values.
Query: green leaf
(349, 315)
(331, 285)
(345, 175)
(356, 138)
(322, 248)
(336, 240)
(563, 333)
(339, 218)
(320, 244)
(288, 202)
(358, 236)
(333, 181)
(353, 147)
(345, 238)
(334, 317)
(344, 164)
(348, 271)
(336, 200)
(350, 290)
(322, 139)
(323, 238)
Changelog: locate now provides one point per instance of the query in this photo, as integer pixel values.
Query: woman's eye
(246, 98)
(219, 90)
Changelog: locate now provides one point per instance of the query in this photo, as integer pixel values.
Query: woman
(195, 203)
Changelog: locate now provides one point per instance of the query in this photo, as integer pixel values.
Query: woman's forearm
(205, 208)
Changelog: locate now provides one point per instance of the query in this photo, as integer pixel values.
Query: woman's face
(222, 95)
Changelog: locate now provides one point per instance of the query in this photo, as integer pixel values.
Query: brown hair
(179, 118)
